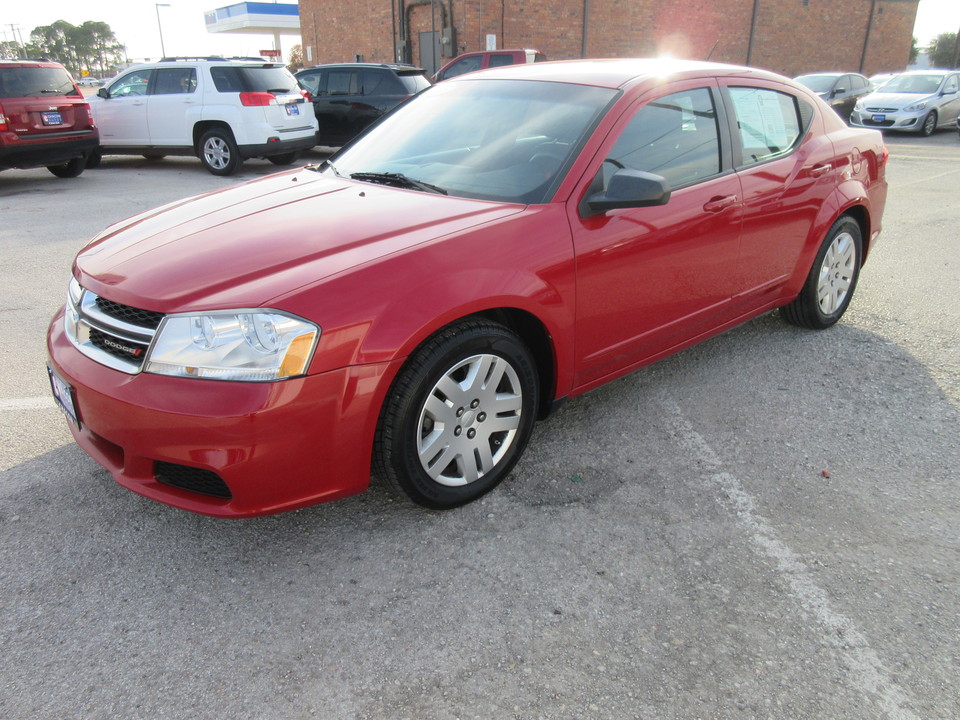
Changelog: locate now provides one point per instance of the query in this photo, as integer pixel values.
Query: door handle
(719, 204)
(819, 170)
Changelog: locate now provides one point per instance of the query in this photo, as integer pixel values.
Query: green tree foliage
(91, 46)
(942, 50)
(296, 58)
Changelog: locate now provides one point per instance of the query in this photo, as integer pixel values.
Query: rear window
(414, 83)
(253, 79)
(35, 82)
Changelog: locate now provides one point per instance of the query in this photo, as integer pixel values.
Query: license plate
(65, 397)
(879, 118)
(293, 109)
(51, 118)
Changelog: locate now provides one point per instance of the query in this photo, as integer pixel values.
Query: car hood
(894, 100)
(244, 246)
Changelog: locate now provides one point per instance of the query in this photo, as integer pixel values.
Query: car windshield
(35, 82)
(818, 83)
(920, 84)
(505, 140)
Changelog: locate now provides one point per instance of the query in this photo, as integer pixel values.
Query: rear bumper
(278, 147)
(25, 153)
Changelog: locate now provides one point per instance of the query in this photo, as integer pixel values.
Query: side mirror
(628, 188)
(104, 93)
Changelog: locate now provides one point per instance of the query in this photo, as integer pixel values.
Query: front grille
(882, 110)
(114, 335)
(198, 480)
(123, 349)
(132, 315)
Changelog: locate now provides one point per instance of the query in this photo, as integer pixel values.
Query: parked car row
(920, 101)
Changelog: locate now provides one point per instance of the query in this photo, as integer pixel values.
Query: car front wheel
(832, 279)
(458, 415)
(929, 124)
(218, 152)
(69, 169)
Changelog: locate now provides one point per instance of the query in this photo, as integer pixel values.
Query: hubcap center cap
(468, 419)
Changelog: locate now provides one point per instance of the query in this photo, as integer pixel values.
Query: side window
(342, 82)
(464, 65)
(311, 81)
(227, 79)
(175, 80)
(768, 122)
(134, 83)
(501, 60)
(859, 83)
(377, 82)
(675, 136)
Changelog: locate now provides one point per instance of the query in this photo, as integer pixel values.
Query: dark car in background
(483, 59)
(838, 90)
(348, 97)
(44, 119)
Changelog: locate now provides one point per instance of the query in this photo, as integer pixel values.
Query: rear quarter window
(770, 123)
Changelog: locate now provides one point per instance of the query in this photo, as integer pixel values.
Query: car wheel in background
(832, 279)
(93, 159)
(69, 169)
(218, 152)
(285, 159)
(458, 416)
(154, 155)
(929, 124)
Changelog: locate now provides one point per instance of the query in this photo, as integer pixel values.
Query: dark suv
(349, 97)
(44, 119)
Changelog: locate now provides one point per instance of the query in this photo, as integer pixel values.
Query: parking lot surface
(763, 526)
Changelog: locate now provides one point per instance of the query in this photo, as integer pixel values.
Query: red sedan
(502, 242)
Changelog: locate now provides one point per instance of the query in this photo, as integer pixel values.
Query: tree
(296, 58)
(914, 51)
(91, 46)
(942, 50)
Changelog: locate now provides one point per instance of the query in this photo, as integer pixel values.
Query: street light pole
(163, 51)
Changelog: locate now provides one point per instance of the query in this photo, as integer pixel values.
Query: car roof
(614, 73)
(400, 67)
(30, 62)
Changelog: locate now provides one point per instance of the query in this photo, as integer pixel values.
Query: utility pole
(956, 51)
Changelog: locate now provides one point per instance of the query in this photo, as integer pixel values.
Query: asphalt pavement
(764, 526)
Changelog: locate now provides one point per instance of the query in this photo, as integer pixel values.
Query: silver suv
(220, 110)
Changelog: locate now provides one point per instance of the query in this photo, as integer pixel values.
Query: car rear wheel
(929, 124)
(154, 155)
(458, 416)
(219, 153)
(284, 159)
(832, 279)
(94, 158)
(69, 169)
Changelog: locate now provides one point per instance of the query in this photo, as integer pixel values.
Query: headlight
(71, 311)
(246, 345)
(917, 107)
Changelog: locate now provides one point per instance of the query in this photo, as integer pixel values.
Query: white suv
(222, 111)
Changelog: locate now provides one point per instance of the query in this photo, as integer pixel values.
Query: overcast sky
(134, 22)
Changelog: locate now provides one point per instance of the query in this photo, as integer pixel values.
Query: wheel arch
(205, 125)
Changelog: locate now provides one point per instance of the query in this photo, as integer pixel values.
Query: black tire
(93, 159)
(829, 287)
(154, 155)
(284, 159)
(69, 169)
(443, 407)
(218, 152)
(929, 124)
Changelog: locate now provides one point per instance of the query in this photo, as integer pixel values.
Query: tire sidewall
(234, 161)
(924, 130)
(848, 225)
(492, 340)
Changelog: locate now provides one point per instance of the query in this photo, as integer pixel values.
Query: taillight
(885, 156)
(3, 120)
(307, 96)
(256, 99)
(86, 109)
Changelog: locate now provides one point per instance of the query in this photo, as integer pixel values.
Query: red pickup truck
(468, 62)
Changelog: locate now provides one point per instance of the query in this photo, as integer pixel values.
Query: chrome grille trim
(109, 340)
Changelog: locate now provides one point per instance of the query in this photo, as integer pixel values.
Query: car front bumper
(886, 120)
(274, 446)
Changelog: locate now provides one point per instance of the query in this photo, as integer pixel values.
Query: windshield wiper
(397, 180)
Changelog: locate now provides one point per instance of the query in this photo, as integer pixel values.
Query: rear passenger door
(171, 106)
(339, 90)
(786, 172)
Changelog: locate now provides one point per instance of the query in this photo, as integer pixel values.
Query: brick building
(787, 36)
